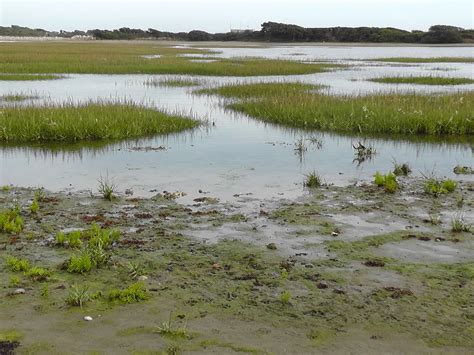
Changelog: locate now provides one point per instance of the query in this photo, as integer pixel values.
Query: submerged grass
(171, 82)
(92, 121)
(427, 60)
(409, 114)
(127, 58)
(423, 80)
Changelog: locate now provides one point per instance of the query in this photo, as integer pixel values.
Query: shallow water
(234, 154)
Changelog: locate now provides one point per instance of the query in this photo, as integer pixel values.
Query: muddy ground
(342, 270)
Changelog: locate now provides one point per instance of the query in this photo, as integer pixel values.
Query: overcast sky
(220, 16)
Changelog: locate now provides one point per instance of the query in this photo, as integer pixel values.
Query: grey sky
(219, 16)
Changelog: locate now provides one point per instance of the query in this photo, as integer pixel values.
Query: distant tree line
(270, 32)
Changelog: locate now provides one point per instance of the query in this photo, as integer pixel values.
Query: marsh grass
(107, 188)
(435, 186)
(29, 77)
(313, 180)
(401, 169)
(10, 221)
(92, 121)
(291, 105)
(422, 80)
(134, 293)
(388, 182)
(427, 60)
(127, 58)
(78, 296)
(173, 82)
(458, 224)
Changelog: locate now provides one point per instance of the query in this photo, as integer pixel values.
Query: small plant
(72, 239)
(285, 297)
(80, 263)
(458, 224)
(313, 180)
(11, 222)
(166, 329)
(38, 273)
(40, 195)
(401, 169)
(6, 188)
(15, 281)
(78, 296)
(459, 200)
(106, 188)
(437, 187)
(388, 182)
(434, 219)
(17, 265)
(135, 270)
(45, 291)
(34, 208)
(463, 170)
(134, 293)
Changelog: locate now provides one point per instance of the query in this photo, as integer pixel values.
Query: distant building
(236, 30)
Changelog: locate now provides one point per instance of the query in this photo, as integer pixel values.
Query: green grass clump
(78, 296)
(313, 180)
(437, 187)
(463, 170)
(423, 80)
(28, 77)
(94, 253)
(458, 224)
(107, 188)
(71, 240)
(127, 58)
(427, 60)
(403, 114)
(92, 121)
(17, 265)
(388, 182)
(132, 294)
(285, 297)
(80, 263)
(34, 207)
(11, 221)
(38, 273)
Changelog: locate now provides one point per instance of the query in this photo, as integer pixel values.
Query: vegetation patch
(29, 77)
(127, 58)
(427, 60)
(93, 121)
(423, 80)
(11, 221)
(134, 293)
(293, 105)
(388, 182)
